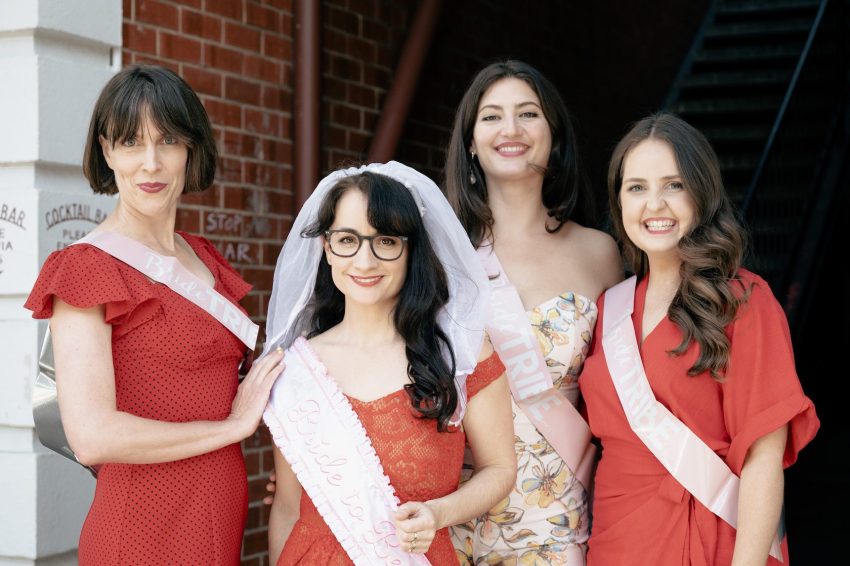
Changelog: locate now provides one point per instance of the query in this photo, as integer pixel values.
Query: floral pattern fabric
(544, 520)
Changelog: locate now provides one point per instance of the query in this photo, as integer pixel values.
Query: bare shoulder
(601, 248)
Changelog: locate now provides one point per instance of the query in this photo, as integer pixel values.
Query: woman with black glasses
(380, 302)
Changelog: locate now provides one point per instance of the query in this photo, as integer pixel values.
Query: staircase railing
(789, 93)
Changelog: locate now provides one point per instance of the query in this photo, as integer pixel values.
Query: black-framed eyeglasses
(346, 243)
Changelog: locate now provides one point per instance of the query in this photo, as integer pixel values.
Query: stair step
(733, 105)
(761, 53)
(738, 78)
(759, 29)
(760, 7)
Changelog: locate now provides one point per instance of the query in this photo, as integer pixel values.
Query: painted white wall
(55, 56)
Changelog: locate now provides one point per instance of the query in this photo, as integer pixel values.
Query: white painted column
(55, 56)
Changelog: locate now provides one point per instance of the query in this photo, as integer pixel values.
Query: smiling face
(657, 209)
(363, 278)
(149, 168)
(511, 138)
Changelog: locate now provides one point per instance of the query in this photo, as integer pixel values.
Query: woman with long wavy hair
(690, 384)
(379, 300)
(515, 182)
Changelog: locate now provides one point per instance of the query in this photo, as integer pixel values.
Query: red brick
(286, 130)
(375, 30)
(240, 145)
(256, 542)
(359, 142)
(286, 24)
(370, 120)
(262, 68)
(334, 88)
(203, 81)
(263, 174)
(255, 516)
(386, 56)
(252, 463)
(280, 203)
(224, 113)
(188, 220)
(346, 68)
(223, 58)
(276, 46)
(126, 57)
(192, 3)
(127, 9)
(239, 35)
(242, 91)
(228, 8)
(367, 8)
(179, 47)
(200, 25)
(263, 278)
(360, 49)
(266, 18)
(344, 20)
(157, 13)
(335, 40)
(376, 77)
(262, 122)
(276, 151)
(139, 38)
(209, 197)
(345, 116)
(229, 170)
(275, 98)
(361, 95)
(280, 4)
(333, 137)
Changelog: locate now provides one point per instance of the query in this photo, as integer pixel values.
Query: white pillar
(55, 56)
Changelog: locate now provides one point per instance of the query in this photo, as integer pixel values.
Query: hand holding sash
(416, 526)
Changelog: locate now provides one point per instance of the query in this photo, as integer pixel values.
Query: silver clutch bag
(45, 407)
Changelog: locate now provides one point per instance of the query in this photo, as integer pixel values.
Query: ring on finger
(415, 537)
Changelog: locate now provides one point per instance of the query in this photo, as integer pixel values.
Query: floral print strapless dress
(545, 519)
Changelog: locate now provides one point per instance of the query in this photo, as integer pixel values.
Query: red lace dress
(421, 463)
(173, 362)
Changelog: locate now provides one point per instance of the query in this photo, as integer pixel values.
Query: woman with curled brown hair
(690, 383)
(147, 380)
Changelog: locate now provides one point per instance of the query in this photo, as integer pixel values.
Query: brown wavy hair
(565, 188)
(710, 292)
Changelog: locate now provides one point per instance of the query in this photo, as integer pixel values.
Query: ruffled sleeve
(231, 281)
(84, 277)
(762, 391)
(485, 373)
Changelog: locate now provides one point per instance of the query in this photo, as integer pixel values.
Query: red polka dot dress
(173, 362)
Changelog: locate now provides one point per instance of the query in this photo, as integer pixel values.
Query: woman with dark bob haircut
(379, 300)
(514, 179)
(148, 382)
(690, 384)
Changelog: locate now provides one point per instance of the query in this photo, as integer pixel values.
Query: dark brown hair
(711, 253)
(392, 210)
(141, 91)
(564, 184)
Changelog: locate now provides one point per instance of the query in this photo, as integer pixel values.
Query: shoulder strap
(529, 377)
(170, 272)
(330, 453)
(682, 453)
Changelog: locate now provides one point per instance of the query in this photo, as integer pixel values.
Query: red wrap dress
(173, 362)
(641, 514)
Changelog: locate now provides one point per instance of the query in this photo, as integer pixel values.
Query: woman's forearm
(478, 495)
(760, 500)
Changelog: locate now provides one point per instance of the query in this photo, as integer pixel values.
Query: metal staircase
(767, 82)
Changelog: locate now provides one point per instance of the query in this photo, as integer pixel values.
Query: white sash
(172, 273)
(529, 377)
(685, 456)
(325, 443)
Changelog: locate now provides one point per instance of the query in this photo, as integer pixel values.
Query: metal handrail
(688, 63)
(801, 62)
